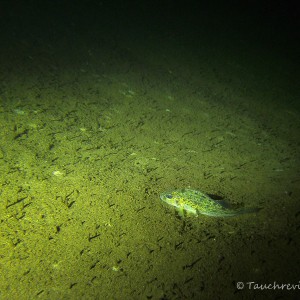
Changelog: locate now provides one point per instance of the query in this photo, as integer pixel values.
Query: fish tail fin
(248, 210)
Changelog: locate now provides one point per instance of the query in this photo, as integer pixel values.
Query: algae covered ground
(95, 127)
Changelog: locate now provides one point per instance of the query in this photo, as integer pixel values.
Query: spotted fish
(188, 201)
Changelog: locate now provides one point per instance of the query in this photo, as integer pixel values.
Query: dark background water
(263, 34)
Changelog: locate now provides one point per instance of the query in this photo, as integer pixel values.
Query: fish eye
(169, 196)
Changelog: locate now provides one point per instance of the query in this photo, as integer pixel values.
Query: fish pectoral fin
(181, 212)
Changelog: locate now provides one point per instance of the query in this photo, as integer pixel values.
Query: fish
(192, 202)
